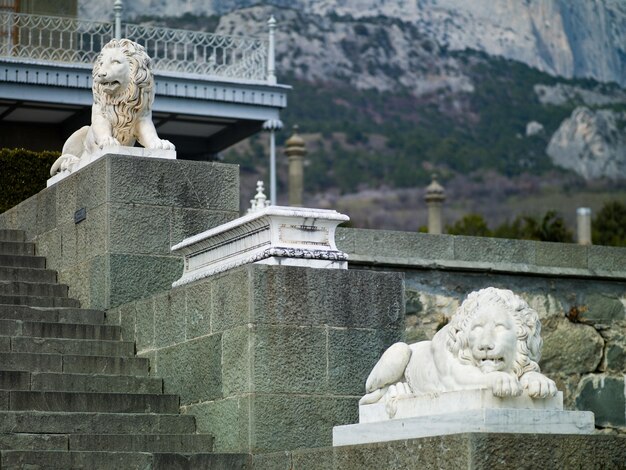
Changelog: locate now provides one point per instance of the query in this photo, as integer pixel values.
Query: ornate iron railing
(71, 40)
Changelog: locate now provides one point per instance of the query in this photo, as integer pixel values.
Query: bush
(609, 226)
(22, 174)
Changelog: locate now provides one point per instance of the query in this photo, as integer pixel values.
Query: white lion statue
(123, 93)
(493, 341)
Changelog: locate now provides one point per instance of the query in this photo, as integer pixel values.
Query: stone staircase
(72, 394)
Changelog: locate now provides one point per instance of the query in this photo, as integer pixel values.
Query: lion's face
(113, 71)
(492, 339)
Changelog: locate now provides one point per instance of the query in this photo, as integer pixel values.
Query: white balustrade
(71, 40)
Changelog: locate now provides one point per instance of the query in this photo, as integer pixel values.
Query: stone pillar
(583, 223)
(434, 197)
(295, 149)
(108, 227)
(269, 358)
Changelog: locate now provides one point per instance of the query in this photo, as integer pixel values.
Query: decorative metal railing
(71, 40)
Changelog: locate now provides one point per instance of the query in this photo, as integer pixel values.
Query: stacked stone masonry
(135, 210)
(72, 393)
(268, 357)
(578, 291)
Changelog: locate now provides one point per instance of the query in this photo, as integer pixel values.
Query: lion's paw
(538, 385)
(505, 385)
(108, 141)
(162, 144)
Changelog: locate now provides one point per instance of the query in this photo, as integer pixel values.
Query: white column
(271, 63)
(272, 167)
(583, 223)
(118, 7)
(272, 125)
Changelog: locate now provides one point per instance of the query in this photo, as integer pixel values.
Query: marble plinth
(291, 236)
(498, 420)
(113, 150)
(452, 402)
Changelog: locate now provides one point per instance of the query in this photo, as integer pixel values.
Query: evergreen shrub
(22, 174)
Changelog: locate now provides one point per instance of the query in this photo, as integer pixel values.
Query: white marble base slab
(287, 236)
(451, 402)
(114, 150)
(500, 420)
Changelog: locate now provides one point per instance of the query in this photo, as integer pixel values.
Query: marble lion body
(123, 93)
(493, 341)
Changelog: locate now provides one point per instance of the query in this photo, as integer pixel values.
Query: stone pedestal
(269, 358)
(108, 227)
(113, 150)
(285, 236)
(480, 451)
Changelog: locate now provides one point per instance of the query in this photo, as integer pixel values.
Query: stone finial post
(295, 149)
(273, 125)
(260, 199)
(271, 62)
(434, 197)
(118, 7)
(583, 223)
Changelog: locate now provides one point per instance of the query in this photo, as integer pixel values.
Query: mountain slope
(561, 37)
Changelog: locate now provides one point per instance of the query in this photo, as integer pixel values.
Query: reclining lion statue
(123, 93)
(493, 341)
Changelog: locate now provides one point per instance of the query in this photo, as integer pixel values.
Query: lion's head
(495, 330)
(123, 85)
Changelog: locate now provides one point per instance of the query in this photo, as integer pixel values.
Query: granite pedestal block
(108, 227)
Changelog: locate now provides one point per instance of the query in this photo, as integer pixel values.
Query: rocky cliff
(562, 37)
(592, 143)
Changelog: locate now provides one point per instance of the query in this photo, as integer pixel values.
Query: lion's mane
(122, 109)
(526, 321)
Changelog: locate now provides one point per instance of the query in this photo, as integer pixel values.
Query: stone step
(184, 443)
(52, 315)
(59, 330)
(81, 347)
(17, 248)
(40, 460)
(32, 301)
(49, 381)
(49, 422)
(8, 273)
(34, 441)
(33, 289)
(74, 364)
(23, 261)
(8, 235)
(86, 401)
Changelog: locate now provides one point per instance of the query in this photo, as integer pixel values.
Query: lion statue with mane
(493, 341)
(123, 93)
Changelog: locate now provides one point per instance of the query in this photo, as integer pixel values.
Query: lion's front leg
(147, 135)
(538, 385)
(100, 133)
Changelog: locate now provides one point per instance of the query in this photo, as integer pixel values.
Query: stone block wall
(135, 209)
(268, 358)
(578, 291)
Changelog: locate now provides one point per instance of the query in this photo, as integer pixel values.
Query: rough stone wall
(268, 358)
(578, 291)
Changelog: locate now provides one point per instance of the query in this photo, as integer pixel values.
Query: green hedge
(22, 174)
